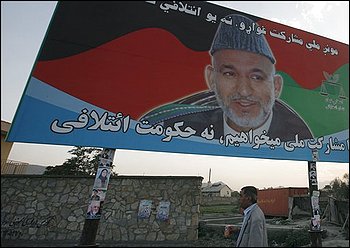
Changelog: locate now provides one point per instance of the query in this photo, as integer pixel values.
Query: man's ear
(208, 74)
(278, 85)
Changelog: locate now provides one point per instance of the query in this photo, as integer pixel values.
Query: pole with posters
(97, 197)
(315, 225)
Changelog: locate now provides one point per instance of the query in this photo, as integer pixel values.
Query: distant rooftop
(215, 187)
(5, 127)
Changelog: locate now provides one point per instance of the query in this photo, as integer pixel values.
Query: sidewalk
(71, 243)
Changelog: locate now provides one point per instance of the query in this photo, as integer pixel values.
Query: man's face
(244, 200)
(95, 209)
(245, 87)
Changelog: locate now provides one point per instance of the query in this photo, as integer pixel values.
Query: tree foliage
(339, 188)
(83, 162)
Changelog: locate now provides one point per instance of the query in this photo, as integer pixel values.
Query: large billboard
(186, 77)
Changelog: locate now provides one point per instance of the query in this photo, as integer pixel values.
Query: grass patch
(219, 209)
(290, 238)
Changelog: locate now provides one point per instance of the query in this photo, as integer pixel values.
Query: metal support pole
(315, 225)
(96, 199)
(88, 236)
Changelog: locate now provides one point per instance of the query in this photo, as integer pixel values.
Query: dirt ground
(335, 237)
(332, 236)
(211, 235)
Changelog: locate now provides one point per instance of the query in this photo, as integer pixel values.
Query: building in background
(5, 146)
(282, 201)
(216, 189)
(12, 166)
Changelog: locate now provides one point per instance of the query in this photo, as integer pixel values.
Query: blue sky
(23, 26)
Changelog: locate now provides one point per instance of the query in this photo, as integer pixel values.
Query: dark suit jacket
(285, 124)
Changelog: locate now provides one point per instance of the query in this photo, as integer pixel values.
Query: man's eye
(256, 77)
(228, 73)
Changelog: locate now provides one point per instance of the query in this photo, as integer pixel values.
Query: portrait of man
(95, 196)
(243, 93)
(94, 210)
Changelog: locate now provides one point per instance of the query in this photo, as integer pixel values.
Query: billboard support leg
(88, 236)
(96, 200)
(315, 230)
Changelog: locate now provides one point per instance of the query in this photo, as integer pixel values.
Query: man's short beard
(246, 121)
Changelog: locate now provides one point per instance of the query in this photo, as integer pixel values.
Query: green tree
(235, 194)
(83, 162)
(339, 188)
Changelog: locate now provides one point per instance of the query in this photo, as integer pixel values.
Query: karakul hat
(232, 37)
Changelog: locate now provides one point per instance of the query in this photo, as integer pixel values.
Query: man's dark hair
(251, 192)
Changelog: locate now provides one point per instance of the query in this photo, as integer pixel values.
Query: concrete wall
(53, 208)
(33, 169)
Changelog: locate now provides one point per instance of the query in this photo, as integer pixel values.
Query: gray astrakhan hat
(238, 38)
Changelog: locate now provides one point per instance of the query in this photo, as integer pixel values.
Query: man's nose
(244, 86)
